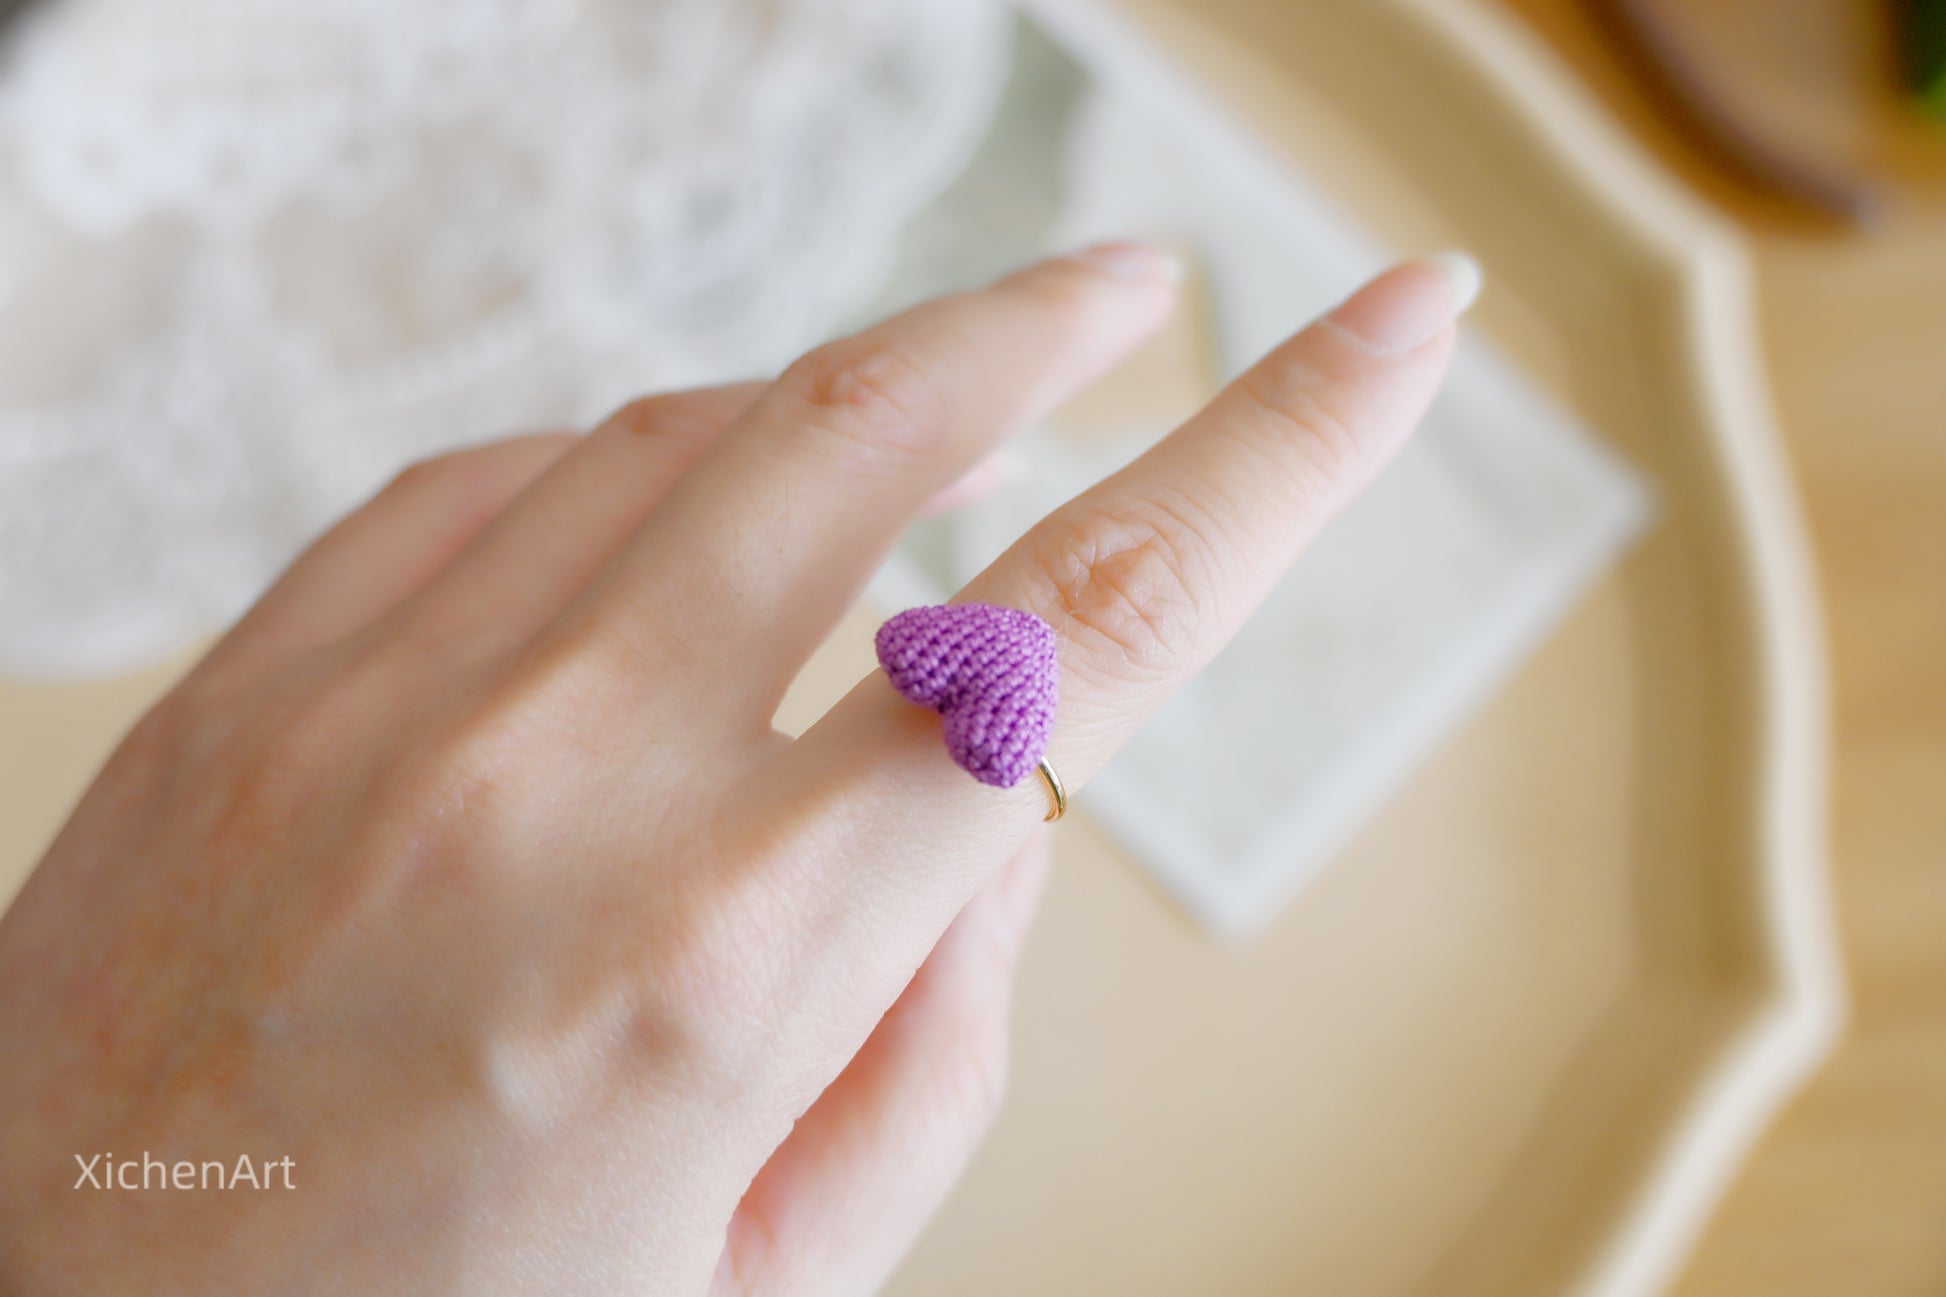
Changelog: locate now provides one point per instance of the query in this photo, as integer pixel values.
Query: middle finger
(766, 542)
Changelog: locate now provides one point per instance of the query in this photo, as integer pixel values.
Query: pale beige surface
(1848, 1194)
(52, 738)
(1445, 1068)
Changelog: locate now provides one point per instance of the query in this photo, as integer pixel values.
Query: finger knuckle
(705, 966)
(419, 474)
(476, 475)
(1127, 581)
(275, 765)
(883, 399)
(1316, 447)
(497, 755)
(439, 482)
(450, 778)
(578, 669)
(671, 416)
(739, 968)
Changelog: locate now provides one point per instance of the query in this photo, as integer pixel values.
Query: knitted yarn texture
(993, 673)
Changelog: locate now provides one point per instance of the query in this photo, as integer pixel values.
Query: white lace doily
(257, 254)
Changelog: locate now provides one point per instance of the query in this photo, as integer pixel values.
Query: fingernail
(1408, 305)
(1132, 261)
(1463, 273)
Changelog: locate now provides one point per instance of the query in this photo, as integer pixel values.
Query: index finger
(1144, 578)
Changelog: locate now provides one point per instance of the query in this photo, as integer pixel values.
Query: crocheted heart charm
(993, 673)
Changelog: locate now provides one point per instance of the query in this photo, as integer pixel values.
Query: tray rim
(1800, 1011)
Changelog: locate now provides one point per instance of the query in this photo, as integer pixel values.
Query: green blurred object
(1922, 51)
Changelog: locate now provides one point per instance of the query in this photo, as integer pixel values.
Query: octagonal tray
(1520, 1033)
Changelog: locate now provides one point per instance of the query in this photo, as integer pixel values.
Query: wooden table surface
(1848, 1194)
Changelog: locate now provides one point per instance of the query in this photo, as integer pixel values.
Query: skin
(468, 872)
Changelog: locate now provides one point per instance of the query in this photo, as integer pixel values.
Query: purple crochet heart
(993, 673)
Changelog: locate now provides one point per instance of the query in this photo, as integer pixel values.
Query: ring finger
(1144, 578)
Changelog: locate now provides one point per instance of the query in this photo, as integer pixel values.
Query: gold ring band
(1057, 793)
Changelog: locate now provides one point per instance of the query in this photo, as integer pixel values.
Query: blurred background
(1543, 897)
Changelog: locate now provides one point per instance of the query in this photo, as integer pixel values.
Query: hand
(468, 874)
